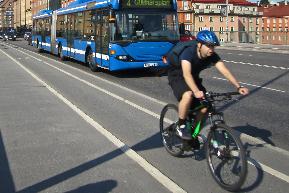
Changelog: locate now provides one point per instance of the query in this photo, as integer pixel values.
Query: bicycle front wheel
(226, 157)
(168, 122)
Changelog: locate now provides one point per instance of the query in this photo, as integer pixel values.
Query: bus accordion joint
(111, 18)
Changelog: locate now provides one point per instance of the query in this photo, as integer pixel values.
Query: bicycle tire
(168, 130)
(226, 155)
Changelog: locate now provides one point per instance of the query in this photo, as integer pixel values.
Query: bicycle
(221, 143)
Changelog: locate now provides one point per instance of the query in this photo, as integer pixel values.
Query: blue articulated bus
(110, 34)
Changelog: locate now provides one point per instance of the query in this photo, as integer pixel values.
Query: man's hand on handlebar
(199, 94)
(243, 90)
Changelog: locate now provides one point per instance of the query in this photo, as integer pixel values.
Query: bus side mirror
(111, 18)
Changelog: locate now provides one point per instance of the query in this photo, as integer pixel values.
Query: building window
(200, 28)
(268, 29)
(211, 28)
(257, 21)
(221, 30)
(188, 16)
(250, 20)
(274, 28)
(232, 19)
(280, 29)
(244, 20)
(188, 27)
(211, 19)
(201, 19)
(280, 20)
(232, 29)
(185, 5)
(221, 19)
(274, 20)
(268, 20)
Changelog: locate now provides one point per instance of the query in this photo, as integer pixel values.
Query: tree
(264, 2)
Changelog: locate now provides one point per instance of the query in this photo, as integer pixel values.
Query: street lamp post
(227, 20)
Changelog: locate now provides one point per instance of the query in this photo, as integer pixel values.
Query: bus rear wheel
(90, 61)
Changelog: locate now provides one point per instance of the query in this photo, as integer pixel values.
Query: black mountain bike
(225, 153)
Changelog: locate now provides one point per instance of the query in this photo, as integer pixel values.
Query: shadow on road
(103, 187)
(253, 184)
(6, 179)
(256, 132)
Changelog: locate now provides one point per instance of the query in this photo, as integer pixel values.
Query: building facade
(6, 15)
(275, 24)
(37, 5)
(65, 3)
(22, 14)
(240, 24)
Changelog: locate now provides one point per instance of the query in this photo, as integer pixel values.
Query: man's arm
(186, 66)
(229, 76)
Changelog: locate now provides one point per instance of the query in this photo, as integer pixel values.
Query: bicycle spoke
(226, 159)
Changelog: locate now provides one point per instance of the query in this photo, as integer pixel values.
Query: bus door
(102, 38)
(70, 33)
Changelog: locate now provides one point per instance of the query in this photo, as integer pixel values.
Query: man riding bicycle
(186, 83)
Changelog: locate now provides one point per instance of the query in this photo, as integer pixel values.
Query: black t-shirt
(197, 64)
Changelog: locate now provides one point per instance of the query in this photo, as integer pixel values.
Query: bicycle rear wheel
(226, 157)
(168, 122)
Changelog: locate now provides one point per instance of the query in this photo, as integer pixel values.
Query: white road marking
(269, 170)
(286, 153)
(153, 171)
(253, 85)
(247, 63)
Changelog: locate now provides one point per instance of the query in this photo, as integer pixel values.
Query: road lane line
(269, 170)
(155, 114)
(153, 171)
(96, 77)
(259, 65)
(253, 85)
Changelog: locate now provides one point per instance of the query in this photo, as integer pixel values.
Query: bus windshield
(130, 26)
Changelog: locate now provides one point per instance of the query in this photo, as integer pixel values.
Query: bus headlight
(124, 58)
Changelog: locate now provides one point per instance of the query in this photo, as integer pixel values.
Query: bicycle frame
(210, 114)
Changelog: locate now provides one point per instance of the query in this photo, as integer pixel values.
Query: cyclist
(186, 83)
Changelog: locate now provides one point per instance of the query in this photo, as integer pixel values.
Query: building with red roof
(275, 23)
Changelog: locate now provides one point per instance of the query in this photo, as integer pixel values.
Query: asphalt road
(48, 147)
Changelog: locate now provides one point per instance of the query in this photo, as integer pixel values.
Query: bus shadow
(138, 73)
(6, 179)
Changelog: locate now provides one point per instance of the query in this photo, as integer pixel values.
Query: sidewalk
(256, 47)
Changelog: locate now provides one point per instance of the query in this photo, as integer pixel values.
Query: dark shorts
(179, 87)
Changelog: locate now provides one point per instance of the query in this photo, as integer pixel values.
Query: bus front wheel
(90, 60)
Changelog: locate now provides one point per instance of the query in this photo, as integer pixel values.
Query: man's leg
(184, 106)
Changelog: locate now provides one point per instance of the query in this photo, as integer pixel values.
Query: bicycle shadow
(256, 132)
(103, 187)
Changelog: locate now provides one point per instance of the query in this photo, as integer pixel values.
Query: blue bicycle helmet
(208, 38)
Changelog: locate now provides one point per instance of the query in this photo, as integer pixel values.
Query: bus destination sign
(146, 3)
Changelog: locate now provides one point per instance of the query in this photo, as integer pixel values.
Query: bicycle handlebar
(211, 96)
